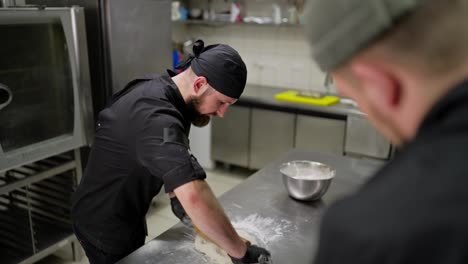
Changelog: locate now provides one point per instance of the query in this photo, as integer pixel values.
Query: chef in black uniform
(405, 62)
(141, 145)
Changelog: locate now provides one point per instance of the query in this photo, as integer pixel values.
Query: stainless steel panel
(65, 80)
(272, 135)
(125, 39)
(138, 37)
(230, 137)
(83, 79)
(40, 81)
(100, 75)
(320, 134)
(363, 139)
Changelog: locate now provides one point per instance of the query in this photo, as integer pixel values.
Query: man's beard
(197, 119)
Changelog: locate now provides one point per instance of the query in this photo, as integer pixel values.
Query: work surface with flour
(261, 207)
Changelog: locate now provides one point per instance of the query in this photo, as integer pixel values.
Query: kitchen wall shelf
(35, 208)
(222, 23)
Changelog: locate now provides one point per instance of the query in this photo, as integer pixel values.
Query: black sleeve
(348, 235)
(167, 157)
(343, 241)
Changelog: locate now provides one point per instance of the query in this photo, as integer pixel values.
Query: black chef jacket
(140, 144)
(415, 210)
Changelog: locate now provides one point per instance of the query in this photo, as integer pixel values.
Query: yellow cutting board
(296, 97)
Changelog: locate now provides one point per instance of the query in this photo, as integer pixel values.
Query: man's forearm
(207, 214)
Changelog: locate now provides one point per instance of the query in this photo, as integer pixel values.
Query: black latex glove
(179, 211)
(254, 254)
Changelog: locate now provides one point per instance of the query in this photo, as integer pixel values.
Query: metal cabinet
(363, 139)
(230, 137)
(320, 134)
(272, 134)
(252, 137)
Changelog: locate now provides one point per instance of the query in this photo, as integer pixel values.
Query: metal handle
(8, 3)
(5, 96)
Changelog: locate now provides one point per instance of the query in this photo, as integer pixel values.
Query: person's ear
(199, 83)
(379, 85)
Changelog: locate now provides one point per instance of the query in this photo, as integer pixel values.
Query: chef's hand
(179, 211)
(254, 254)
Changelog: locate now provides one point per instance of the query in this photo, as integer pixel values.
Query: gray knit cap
(338, 29)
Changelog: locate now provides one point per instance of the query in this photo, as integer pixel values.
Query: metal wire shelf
(34, 172)
(35, 207)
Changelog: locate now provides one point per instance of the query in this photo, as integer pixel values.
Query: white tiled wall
(277, 56)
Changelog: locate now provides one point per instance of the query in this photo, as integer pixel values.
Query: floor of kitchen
(160, 217)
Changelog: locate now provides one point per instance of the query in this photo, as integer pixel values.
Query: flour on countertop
(178, 252)
(265, 229)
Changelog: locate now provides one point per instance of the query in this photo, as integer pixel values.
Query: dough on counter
(215, 254)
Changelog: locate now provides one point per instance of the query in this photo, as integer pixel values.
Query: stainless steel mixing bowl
(306, 180)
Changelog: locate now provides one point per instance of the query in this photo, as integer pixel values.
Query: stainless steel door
(272, 135)
(138, 38)
(36, 66)
(45, 67)
(363, 139)
(230, 137)
(320, 134)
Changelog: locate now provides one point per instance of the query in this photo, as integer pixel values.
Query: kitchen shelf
(15, 234)
(223, 23)
(35, 208)
(16, 242)
(36, 171)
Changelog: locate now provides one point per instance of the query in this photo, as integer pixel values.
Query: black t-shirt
(415, 210)
(140, 144)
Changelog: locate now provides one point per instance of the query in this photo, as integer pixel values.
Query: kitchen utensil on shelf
(306, 180)
(196, 13)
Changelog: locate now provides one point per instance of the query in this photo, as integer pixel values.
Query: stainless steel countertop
(256, 95)
(290, 227)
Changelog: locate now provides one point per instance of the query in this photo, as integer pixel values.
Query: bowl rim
(285, 164)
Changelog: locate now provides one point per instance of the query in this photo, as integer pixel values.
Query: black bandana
(221, 65)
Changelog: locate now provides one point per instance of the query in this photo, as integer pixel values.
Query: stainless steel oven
(45, 94)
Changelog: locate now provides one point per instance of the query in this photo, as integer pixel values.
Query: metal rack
(35, 208)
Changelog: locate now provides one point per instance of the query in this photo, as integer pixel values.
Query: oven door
(45, 97)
